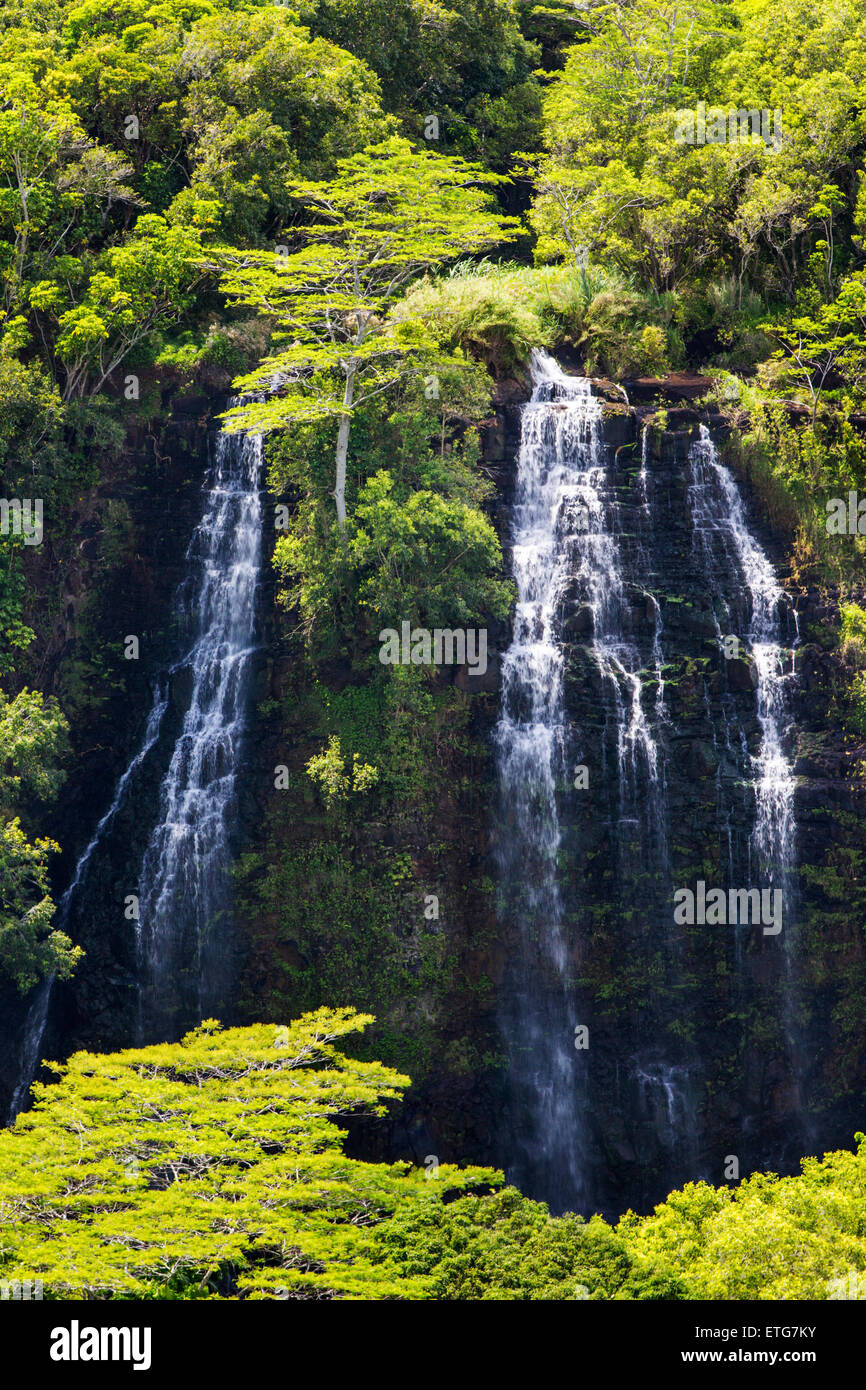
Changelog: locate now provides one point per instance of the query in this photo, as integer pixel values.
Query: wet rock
(741, 674)
(577, 621)
(703, 758)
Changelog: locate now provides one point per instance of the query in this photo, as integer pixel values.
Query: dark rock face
(707, 1043)
(701, 1048)
(158, 482)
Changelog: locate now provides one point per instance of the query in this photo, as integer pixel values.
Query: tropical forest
(432, 652)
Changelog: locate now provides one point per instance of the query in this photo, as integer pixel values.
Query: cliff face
(106, 572)
(704, 1044)
(707, 1043)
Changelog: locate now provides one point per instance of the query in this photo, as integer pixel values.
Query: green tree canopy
(32, 741)
(210, 1168)
(390, 213)
(468, 63)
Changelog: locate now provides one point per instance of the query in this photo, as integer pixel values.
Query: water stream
(184, 951)
(583, 543)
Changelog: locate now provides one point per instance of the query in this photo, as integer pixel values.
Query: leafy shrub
(852, 636)
(336, 777)
(501, 311)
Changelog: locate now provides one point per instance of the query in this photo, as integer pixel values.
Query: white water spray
(723, 532)
(183, 951)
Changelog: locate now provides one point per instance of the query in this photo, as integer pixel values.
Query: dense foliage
(364, 214)
(214, 1168)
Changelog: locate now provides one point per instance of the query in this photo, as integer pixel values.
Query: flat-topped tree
(390, 213)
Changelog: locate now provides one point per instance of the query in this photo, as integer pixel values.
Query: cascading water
(31, 1043)
(546, 1076)
(757, 609)
(37, 1016)
(184, 958)
(183, 949)
(729, 548)
(584, 681)
(564, 541)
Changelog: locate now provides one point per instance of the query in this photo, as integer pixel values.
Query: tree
(32, 149)
(30, 949)
(267, 104)
(418, 481)
(427, 555)
(211, 1168)
(389, 213)
(830, 340)
(32, 739)
(505, 1246)
(641, 58)
(465, 61)
(765, 1238)
(147, 282)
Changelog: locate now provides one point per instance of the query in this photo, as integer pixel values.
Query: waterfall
(31, 1044)
(565, 541)
(584, 686)
(559, 428)
(37, 1015)
(756, 608)
(182, 945)
(729, 548)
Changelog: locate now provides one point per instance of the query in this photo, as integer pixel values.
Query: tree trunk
(339, 493)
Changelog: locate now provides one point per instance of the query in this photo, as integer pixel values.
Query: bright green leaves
(766, 1238)
(29, 948)
(213, 1167)
(640, 59)
(831, 339)
(424, 555)
(467, 63)
(620, 184)
(417, 545)
(148, 281)
(337, 775)
(33, 150)
(505, 1246)
(187, 110)
(210, 1165)
(267, 103)
(32, 741)
(390, 213)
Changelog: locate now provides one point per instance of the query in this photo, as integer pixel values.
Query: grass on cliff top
(500, 312)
